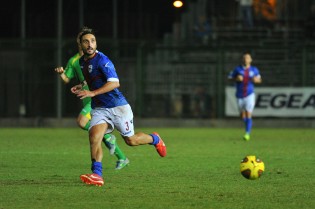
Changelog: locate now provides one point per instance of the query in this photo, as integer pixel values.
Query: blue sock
(155, 139)
(248, 123)
(97, 168)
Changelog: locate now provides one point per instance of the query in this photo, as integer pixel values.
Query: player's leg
(96, 134)
(249, 107)
(109, 140)
(241, 108)
(83, 122)
(243, 116)
(112, 142)
(123, 119)
(240, 105)
(246, 137)
(241, 102)
(249, 122)
(142, 138)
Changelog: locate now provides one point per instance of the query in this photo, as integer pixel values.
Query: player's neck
(89, 56)
(80, 52)
(246, 66)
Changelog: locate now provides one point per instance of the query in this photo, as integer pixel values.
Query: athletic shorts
(86, 110)
(119, 118)
(246, 103)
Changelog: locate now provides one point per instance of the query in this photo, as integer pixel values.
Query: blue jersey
(246, 87)
(97, 71)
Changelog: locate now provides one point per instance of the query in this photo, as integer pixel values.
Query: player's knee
(94, 138)
(248, 114)
(81, 123)
(131, 141)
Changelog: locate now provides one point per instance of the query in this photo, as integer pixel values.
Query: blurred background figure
(202, 30)
(267, 12)
(201, 105)
(246, 13)
(245, 77)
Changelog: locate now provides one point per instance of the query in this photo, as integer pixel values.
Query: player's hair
(246, 52)
(86, 30)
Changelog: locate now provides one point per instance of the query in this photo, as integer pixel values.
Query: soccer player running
(73, 70)
(110, 108)
(245, 76)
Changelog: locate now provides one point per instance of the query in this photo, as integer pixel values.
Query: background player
(245, 76)
(71, 71)
(110, 109)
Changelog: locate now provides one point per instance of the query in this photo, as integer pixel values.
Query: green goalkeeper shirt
(72, 70)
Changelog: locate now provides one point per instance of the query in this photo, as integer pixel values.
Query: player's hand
(76, 89)
(239, 78)
(256, 79)
(59, 70)
(85, 93)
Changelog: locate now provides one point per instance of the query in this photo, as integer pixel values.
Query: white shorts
(120, 117)
(246, 103)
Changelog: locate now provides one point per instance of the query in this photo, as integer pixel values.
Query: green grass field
(40, 168)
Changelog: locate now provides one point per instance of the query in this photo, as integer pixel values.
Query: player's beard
(89, 51)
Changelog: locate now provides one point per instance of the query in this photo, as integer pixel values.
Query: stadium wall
(164, 122)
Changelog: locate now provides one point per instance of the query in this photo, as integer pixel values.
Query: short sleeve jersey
(246, 87)
(97, 71)
(73, 70)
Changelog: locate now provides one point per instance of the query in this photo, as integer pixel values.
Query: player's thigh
(123, 120)
(97, 132)
(250, 103)
(241, 104)
(102, 115)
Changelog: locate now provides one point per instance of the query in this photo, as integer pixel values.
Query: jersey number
(127, 126)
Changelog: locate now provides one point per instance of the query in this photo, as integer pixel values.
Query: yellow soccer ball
(252, 167)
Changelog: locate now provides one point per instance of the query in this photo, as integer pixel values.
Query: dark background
(136, 19)
(132, 15)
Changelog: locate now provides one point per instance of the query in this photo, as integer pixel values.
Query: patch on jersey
(90, 68)
(110, 66)
(251, 73)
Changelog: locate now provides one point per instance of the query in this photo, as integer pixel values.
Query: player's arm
(62, 74)
(238, 78)
(234, 76)
(77, 88)
(108, 69)
(68, 73)
(107, 87)
(257, 79)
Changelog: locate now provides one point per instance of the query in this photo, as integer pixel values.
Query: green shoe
(121, 164)
(246, 137)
